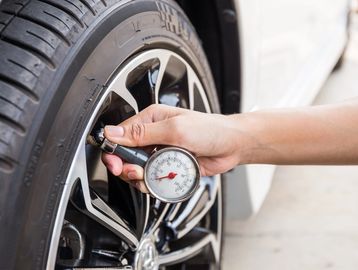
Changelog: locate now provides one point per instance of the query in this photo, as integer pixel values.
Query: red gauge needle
(170, 176)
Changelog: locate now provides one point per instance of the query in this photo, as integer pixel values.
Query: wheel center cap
(146, 257)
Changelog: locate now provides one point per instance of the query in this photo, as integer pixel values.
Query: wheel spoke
(96, 208)
(196, 91)
(173, 212)
(159, 219)
(201, 91)
(163, 59)
(185, 221)
(191, 82)
(189, 251)
(147, 212)
(121, 90)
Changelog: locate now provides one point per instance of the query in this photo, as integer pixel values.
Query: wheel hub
(147, 256)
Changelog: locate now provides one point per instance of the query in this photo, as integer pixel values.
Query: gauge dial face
(172, 174)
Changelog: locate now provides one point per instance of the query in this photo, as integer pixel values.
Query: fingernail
(114, 131)
(132, 175)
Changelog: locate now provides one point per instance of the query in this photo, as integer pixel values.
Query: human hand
(210, 137)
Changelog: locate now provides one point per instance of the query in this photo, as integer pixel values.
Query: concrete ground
(310, 217)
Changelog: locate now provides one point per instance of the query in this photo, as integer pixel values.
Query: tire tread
(34, 38)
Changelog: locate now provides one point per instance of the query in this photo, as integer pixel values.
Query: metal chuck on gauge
(171, 174)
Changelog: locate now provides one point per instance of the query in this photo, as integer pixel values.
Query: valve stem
(129, 154)
(96, 138)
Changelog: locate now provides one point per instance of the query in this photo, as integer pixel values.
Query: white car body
(288, 49)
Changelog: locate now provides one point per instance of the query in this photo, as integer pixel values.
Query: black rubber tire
(56, 57)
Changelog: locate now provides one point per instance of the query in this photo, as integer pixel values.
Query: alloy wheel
(104, 222)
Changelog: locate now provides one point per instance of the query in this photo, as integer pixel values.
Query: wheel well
(216, 24)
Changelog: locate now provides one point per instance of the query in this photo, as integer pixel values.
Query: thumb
(140, 134)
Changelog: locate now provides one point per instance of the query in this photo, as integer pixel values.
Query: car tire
(57, 60)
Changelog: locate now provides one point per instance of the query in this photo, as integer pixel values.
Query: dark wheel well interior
(216, 24)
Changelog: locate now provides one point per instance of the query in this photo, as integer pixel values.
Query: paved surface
(310, 217)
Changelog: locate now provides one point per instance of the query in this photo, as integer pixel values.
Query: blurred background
(309, 219)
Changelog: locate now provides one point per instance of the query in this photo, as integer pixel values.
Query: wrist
(243, 142)
(252, 138)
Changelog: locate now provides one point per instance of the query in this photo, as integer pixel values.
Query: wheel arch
(218, 29)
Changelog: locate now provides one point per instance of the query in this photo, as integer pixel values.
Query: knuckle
(137, 132)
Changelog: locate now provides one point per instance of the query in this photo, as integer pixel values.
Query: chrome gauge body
(172, 174)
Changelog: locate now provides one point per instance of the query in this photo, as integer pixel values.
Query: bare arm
(325, 134)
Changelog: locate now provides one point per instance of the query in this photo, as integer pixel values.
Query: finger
(132, 172)
(113, 163)
(140, 185)
(150, 126)
(133, 175)
(210, 166)
(143, 134)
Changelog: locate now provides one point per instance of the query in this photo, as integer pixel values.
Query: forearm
(315, 135)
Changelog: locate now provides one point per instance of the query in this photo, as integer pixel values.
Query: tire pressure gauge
(171, 174)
